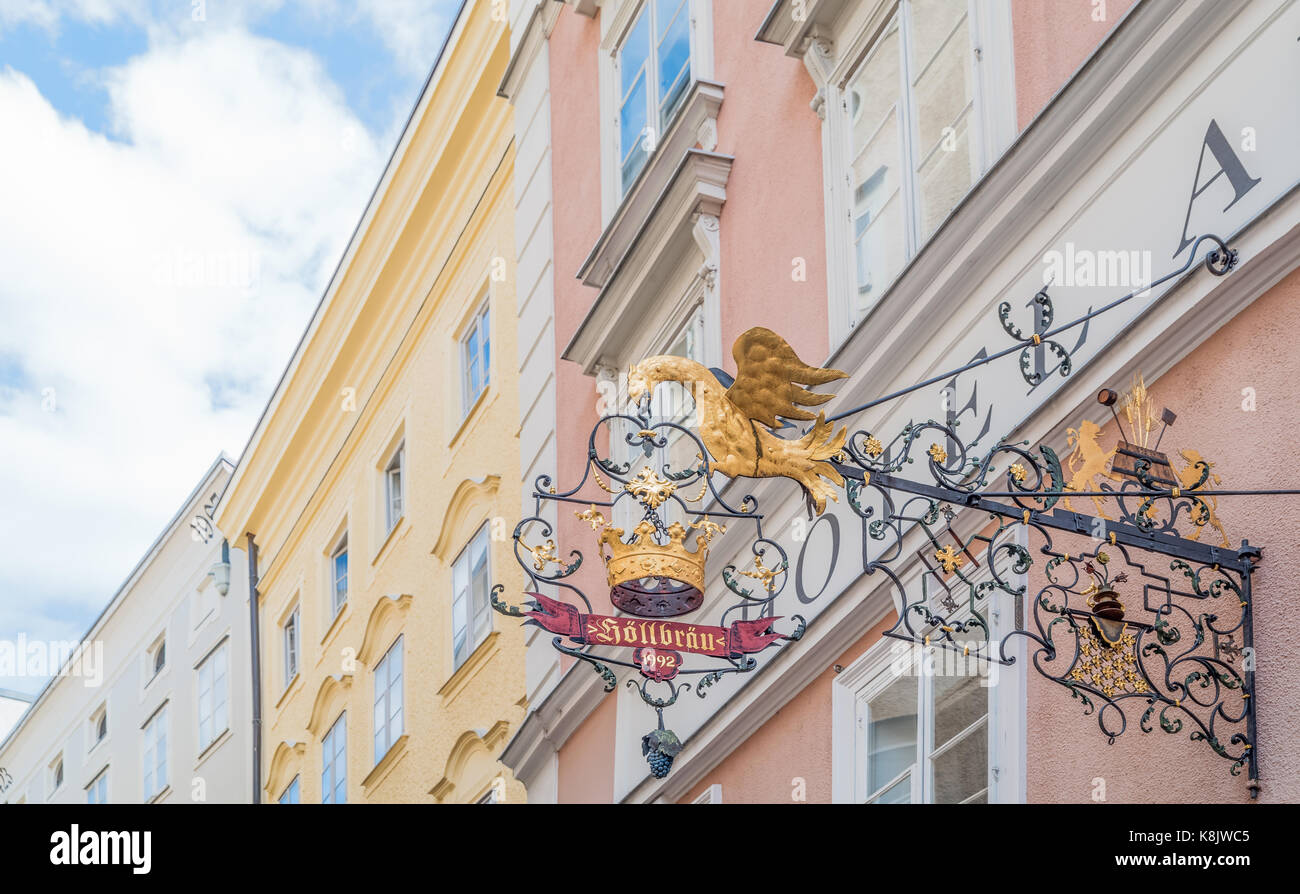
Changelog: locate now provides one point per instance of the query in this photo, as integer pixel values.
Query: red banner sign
(640, 633)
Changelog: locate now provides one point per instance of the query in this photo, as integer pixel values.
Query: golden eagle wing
(769, 376)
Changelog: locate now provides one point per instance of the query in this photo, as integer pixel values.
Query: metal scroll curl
(654, 523)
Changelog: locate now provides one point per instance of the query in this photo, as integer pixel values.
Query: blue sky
(141, 139)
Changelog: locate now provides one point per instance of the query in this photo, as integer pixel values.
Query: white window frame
(389, 687)
(214, 704)
(395, 493)
(342, 547)
(154, 779)
(97, 791)
(58, 774)
(98, 716)
(992, 127)
(616, 20)
(879, 666)
(334, 759)
(291, 644)
(151, 655)
(479, 322)
(474, 637)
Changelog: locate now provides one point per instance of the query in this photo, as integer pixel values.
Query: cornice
(385, 607)
(468, 494)
(694, 125)
(538, 30)
(548, 725)
(697, 189)
(324, 696)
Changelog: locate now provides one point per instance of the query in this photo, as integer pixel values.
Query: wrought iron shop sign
(1130, 614)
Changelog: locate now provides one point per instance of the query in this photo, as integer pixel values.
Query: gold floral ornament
(738, 423)
(1018, 472)
(872, 446)
(764, 575)
(949, 559)
(938, 454)
(592, 516)
(544, 555)
(650, 489)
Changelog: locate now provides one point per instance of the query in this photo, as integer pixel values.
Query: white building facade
(154, 703)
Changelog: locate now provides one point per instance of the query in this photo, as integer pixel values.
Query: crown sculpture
(648, 578)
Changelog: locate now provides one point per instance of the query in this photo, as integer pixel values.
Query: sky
(178, 179)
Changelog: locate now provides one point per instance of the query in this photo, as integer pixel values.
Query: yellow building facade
(373, 485)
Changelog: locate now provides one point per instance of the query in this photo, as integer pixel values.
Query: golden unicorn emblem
(1087, 462)
(1205, 513)
(737, 423)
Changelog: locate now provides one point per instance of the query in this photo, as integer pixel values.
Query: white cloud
(158, 282)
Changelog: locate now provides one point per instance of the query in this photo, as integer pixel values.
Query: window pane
(942, 96)
(878, 221)
(485, 342)
(674, 55)
(958, 702)
(898, 793)
(634, 141)
(944, 178)
(633, 54)
(891, 732)
(962, 770)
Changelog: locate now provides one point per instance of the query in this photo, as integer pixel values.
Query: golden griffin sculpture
(738, 423)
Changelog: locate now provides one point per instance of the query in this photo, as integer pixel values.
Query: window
(393, 486)
(290, 633)
(475, 359)
(923, 731)
(292, 793)
(97, 791)
(471, 609)
(339, 575)
(56, 773)
(156, 656)
(654, 70)
(911, 109)
(155, 754)
(98, 725)
(213, 697)
(334, 775)
(388, 700)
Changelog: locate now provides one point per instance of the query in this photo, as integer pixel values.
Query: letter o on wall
(834, 524)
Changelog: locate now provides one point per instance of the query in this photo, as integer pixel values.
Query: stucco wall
(1250, 450)
(774, 213)
(1051, 39)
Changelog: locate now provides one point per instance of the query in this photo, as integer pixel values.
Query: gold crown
(652, 579)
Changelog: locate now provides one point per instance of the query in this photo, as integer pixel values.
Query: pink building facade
(871, 179)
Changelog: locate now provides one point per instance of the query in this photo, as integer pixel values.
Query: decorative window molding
(669, 265)
(331, 695)
(385, 619)
(97, 791)
(285, 765)
(870, 240)
(470, 503)
(97, 727)
(291, 643)
(472, 766)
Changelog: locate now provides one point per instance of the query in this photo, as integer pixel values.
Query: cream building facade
(377, 488)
